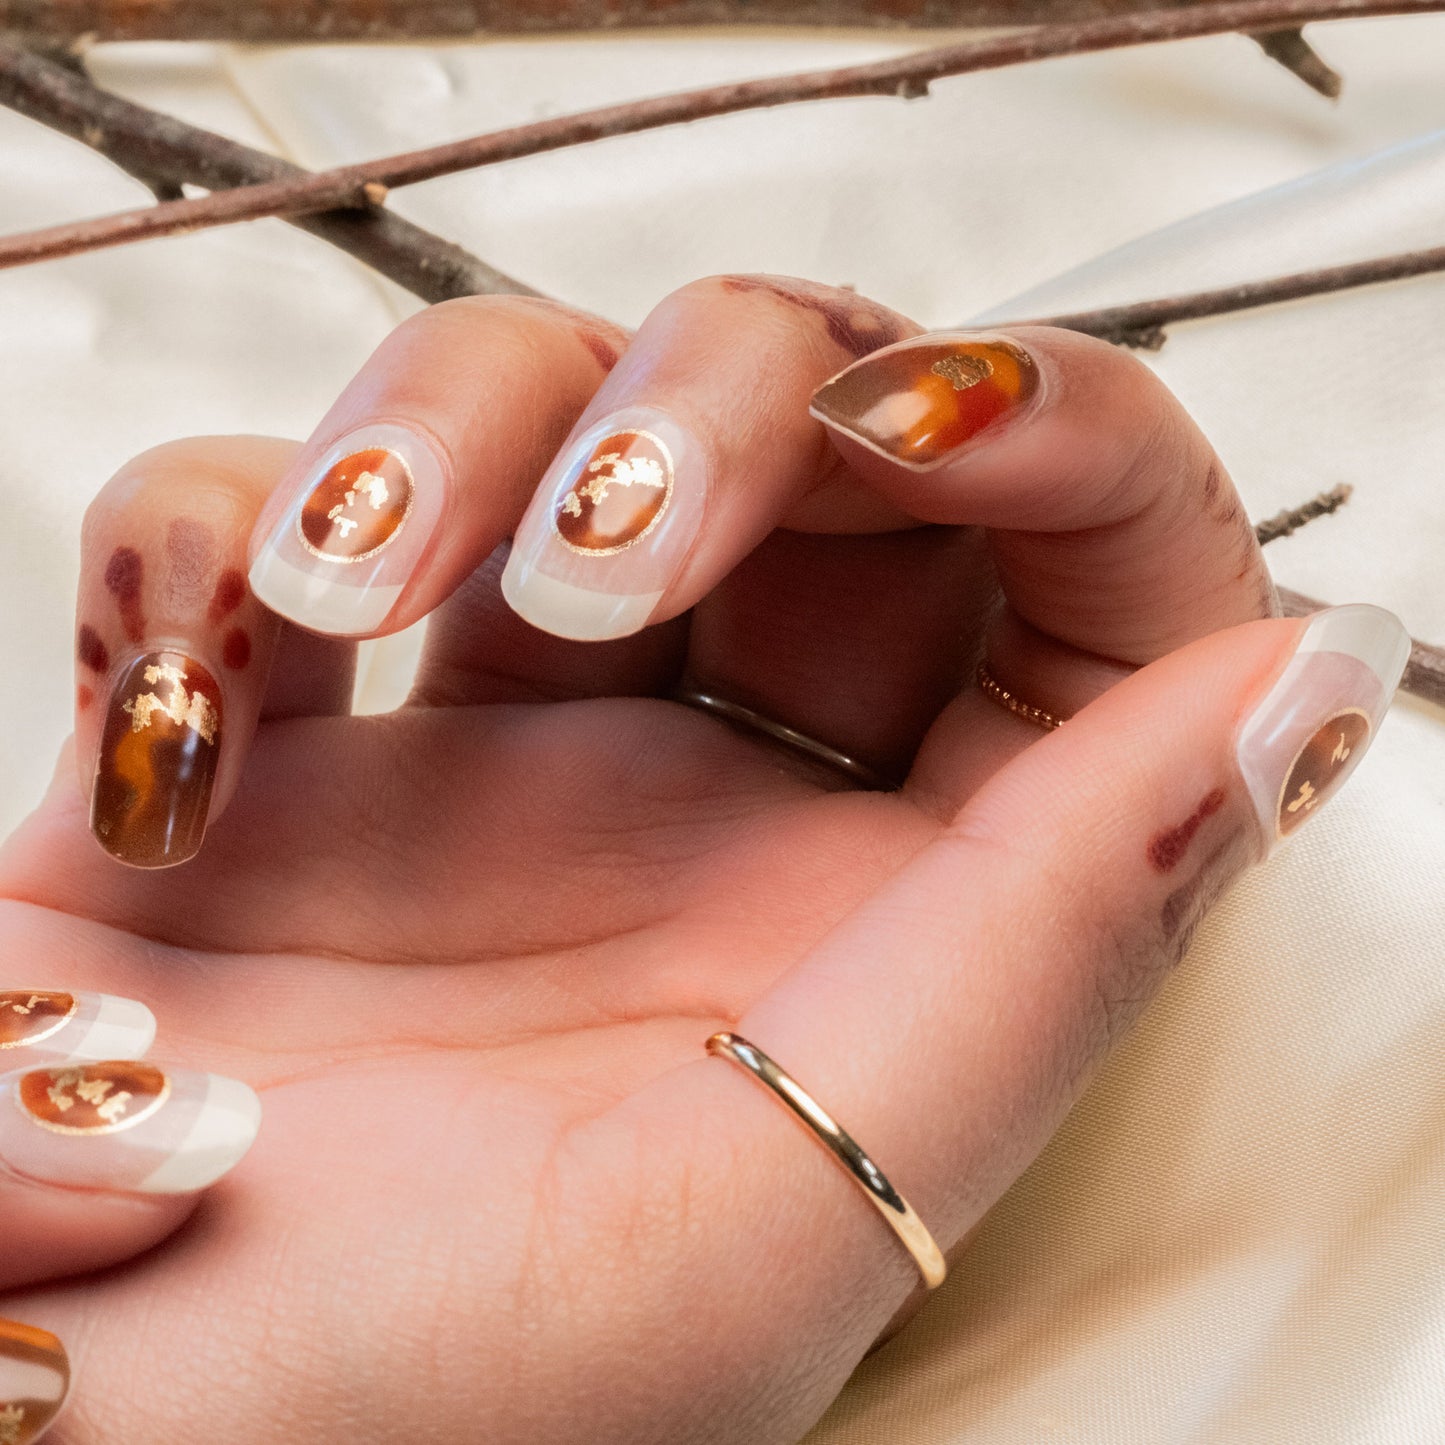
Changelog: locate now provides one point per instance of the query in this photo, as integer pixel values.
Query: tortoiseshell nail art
(34, 1381)
(608, 528)
(39, 1024)
(359, 521)
(157, 761)
(124, 1125)
(1307, 734)
(918, 402)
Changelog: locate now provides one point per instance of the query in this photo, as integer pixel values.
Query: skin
(469, 952)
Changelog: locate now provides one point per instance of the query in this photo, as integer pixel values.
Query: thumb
(953, 1018)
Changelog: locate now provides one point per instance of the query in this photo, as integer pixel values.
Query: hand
(468, 953)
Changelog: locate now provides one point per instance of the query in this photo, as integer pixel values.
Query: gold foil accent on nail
(619, 496)
(1319, 767)
(99, 1098)
(185, 709)
(21, 1009)
(962, 372)
(358, 507)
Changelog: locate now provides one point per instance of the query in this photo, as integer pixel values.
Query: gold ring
(909, 1228)
(995, 690)
(735, 712)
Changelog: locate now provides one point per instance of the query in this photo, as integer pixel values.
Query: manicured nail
(919, 401)
(157, 761)
(608, 529)
(125, 1125)
(39, 1026)
(358, 524)
(34, 1380)
(1308, 733)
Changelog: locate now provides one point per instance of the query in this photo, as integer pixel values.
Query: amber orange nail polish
(34, 1380)
(157, 762)
(918, 402)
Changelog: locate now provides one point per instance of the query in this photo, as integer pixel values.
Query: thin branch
(904, 76)
(164, 152)
(1424, 673)
(1293, 518)
(1141, 323)
(1294, 52)
(290, 21)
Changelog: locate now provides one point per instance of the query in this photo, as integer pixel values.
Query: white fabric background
(1239, 1235)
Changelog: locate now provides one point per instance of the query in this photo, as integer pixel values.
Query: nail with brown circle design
(608, 528)
(34, 1381)
(1310, 730)
(120, 1124)
(357, 523)
(43, 1025)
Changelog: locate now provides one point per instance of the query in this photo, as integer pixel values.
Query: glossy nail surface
(34, 1380)
(39, 1025)
(1310, 730)
(157, 762)
(608, 529)
(922, 400)
(358, 524)
(125, 1125)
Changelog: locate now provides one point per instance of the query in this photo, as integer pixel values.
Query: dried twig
(164, 152)
(1294, 52)
(64, 22)
(905, 76)
(1141, 323)
(1424, 673)
(1293, 518)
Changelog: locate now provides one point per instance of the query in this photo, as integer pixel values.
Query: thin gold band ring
(900, 1215)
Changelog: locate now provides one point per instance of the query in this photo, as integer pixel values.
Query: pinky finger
(34, 1381)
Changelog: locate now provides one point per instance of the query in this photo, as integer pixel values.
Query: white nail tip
(578, 613)
(1371, 634)
(223, 1131)
(314, 601)
(123, 1028)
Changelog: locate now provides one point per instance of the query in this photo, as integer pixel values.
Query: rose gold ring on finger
(902, 1219)
(996, 692)
(746, 717)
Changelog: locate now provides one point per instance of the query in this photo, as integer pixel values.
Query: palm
(510, 920)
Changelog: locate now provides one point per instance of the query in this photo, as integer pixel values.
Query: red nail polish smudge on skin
(230, 593)
(236, 650)
(91, 651)
(1167, 848)
(124, 574)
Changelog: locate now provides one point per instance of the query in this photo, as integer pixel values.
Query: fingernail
(920, 401)
(125, 1125)
(608, 529)
(1310, 730)
(356, 527)
(157, 761)
(34, 1380)
(39, 1026)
